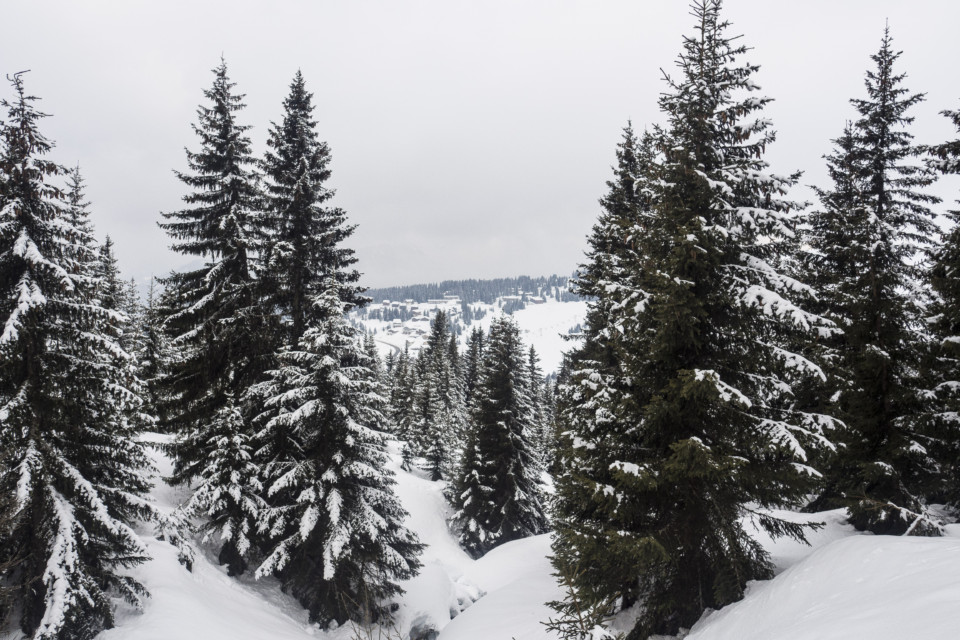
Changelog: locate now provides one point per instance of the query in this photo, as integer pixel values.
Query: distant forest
(487, 291)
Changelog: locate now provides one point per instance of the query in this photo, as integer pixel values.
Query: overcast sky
(469, 138)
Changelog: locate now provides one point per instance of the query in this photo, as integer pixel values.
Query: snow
(844, 585)
(880, 587)
(518, 581)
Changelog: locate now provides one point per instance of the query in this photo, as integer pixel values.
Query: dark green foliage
(305, 235)
(221, 333)
(497, 493)
(471, 367)
(678, 418)
(864, 244)
(943, 432)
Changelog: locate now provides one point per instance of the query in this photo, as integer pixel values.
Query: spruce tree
(677, 416)
(943, 430)
(306, 234)
(338, 543)
(498, 494)
(865, 249)
(212, 314)
(439, 400)
(71, 470)
(402, 407)
(471, 365)
(152, 356)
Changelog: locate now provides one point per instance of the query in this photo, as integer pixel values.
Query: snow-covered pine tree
(594, 396)
(152, 356)
(439, 401)
(132, 307)
(402, 404)
(471, 365)
(78, 211)
(306, 235)
(71, 469)
(866, 246)
(684, 428)
(944, 430)
(110, 287)
(215, 320)
(542, 430)
(336, 527)
(497, 493)
(227, 494)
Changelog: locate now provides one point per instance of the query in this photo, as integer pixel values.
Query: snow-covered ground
(843, 586)
(877, 587)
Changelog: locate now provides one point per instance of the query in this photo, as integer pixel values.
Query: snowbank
(877, 587)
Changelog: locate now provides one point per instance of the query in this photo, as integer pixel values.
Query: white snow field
(844, 586)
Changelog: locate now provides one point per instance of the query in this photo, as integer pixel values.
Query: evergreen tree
(152, 356)
(71, 470)
(471, 366)
(227, 494)
(213, 315)
(536, 385)
(677, 416)
(439, 400)
(84, 245)
(498, 493)
(403, 404)
(305, 234)
(865, 249)
(338, 542)
(944, 430)
(110, 288)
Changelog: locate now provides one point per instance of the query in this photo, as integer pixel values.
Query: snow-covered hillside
(843, 586)
(545, 322)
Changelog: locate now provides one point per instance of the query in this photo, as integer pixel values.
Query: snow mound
(518, 581)
(878, 587)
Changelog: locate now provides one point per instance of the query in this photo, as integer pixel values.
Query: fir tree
(338, 543)
(944, 428)
(213, 315)
(677, 416)
(498, 494)
(305, 233)
(71, 470)
(227, 495)
(403, 404)
(535, 383)
(152, 356)
(439, 400)
(865, 245)
(471, 366)
(78, 212)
